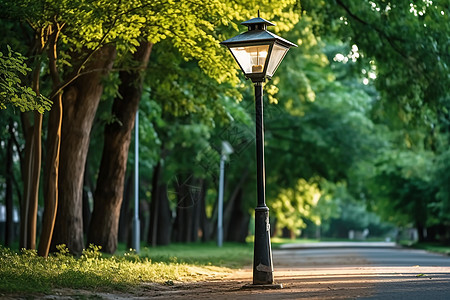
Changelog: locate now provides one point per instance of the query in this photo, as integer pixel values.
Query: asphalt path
(364, 270)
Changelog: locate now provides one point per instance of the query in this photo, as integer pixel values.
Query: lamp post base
(262, 260)
(273, 286)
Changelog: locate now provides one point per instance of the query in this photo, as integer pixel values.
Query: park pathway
(358, 270)
(362, 271)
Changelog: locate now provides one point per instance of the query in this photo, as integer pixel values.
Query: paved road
(365, 270)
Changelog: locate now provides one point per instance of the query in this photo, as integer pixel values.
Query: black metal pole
(262, 259)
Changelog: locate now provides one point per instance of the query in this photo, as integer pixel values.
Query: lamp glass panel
(252, 59)
(278, 53)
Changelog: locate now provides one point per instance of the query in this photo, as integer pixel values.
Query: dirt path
(304, 283)
(297, 284)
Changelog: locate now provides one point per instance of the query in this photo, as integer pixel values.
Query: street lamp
(259, 53)
(226, 151)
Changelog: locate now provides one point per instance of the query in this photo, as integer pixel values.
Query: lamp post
(259, 53)
(226, 151)
(136, 236)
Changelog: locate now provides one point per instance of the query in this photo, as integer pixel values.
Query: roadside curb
(331, 245)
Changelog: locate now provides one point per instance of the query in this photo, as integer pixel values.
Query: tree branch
(381, 33)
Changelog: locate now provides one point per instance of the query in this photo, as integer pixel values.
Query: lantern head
(258, 51)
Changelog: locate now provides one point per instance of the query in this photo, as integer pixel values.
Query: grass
(431, 247)
(231, 255)
(25, 272)
(277, 242)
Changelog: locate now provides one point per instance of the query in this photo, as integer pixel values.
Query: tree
(110, 183)
(12, 92)
(194, 27)
(296, 205)
(400, 48)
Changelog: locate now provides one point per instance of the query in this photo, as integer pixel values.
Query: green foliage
(12, 90)
(295, 205)
(323, 122)
(404, 187)
(405, 40)
(441, 179)
(351, 214)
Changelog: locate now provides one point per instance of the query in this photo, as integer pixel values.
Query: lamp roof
(257, 20)
(257, 36)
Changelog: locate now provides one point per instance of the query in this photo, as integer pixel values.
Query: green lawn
(431, 247)
(231, 255)
(25, 272)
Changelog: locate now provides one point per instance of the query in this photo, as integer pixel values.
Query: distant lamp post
(259, 53)
(226, 151)
(136, 234)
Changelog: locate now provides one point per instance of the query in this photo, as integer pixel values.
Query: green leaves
(293, 206)
(12, 90)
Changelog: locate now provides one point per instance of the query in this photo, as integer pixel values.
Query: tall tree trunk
(32, 168)
(233, 205)
(51, 176)
(31, 176)
(160, 215)
(164, 221)
(110, 183)
(86, 211)
(53, 147)
(205, 223)
(154, 205)
(238, 225)
(9, 228)
(185, 207)
(88, 191)
(125, 212)
(80, 103)
(186, 226)
(197, 211)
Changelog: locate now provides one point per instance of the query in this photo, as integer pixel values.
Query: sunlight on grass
(231, 255)
(27, 272)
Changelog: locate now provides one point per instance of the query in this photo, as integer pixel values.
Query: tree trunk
(187, 222)
(197, 211)
(53, 147)
(164, 224)
(154, 206)
(231, 204)
(187, 193)
(160, 215)
(125, 213)
(88, 191)
(51, 176)
(238, 225)
(86, 206)
(80, 102)
(183, 221)
(205, 223)
(31, 176)
(110, 183)
(9, 226)
(31, 170)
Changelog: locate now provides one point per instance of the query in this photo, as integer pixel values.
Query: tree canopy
(356, 118)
